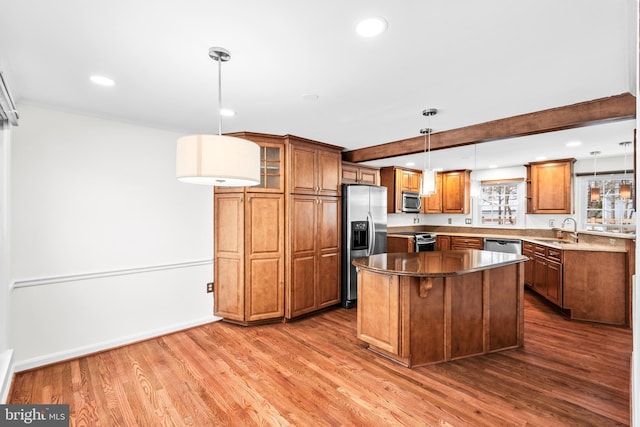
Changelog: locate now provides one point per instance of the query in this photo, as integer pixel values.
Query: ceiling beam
(597, 111)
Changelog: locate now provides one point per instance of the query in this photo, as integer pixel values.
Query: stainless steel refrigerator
(364, 231)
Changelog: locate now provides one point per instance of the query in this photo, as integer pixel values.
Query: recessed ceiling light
(102, 80)
(493, 166)
(371, 27)
(438, 169)
(410, 164)
(539, 158)
(574, 144)
(225, 112)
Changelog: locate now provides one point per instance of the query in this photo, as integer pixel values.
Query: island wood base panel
(423, 320)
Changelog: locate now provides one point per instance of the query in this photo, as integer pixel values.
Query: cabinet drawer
(554, 254)
(527, 246)
(540, 250)
(458, 242)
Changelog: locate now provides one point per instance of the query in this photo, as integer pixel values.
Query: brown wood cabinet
(453, 194)
(398, 180)
(528, 251)
(249, 256)
(315, 254)
(595, 286)
(433, 203)
(544, 273)
(463, 242)
(314, 168)
(400, 244)
(353, 173)
(279, 226)
(456, 191)
(591, 285)
(443, 243)
(549, 187)
(272, 155)
(314, 227)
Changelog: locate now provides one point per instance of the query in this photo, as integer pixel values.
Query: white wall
(6, 353)
(106, 246)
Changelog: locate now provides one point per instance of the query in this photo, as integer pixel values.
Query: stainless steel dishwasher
(511, 246)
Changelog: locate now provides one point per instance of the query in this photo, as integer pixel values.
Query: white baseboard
(35, 362)
(6, 374)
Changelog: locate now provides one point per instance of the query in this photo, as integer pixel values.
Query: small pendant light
(595, 191)
(218, 160)
(428, 182)
(625, 188)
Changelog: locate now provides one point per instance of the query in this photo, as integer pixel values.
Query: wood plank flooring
(315, 372)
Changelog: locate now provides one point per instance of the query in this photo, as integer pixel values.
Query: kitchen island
(428, 307)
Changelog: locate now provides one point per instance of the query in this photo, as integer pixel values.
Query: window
(500, 203)
(610, 212)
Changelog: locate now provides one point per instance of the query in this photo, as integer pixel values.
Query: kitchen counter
(437, 263)
(563, 244)
(429, 307)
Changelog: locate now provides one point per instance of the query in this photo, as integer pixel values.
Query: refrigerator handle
(372, 234)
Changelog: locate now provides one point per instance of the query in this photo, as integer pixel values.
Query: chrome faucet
(575, 228)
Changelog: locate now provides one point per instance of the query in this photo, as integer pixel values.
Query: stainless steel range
(425, 242)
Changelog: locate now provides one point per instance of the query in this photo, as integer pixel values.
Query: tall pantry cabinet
(314, 227)
(275, 243)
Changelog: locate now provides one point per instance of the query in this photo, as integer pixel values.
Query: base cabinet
(249, 257)
(589, 285)
(424, 320)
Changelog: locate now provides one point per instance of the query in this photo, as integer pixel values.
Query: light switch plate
(552, 223)
(467, 221)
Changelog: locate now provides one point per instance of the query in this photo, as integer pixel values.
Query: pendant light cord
(429, 131)
(219, 96)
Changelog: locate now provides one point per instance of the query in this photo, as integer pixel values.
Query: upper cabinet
(353, 173)
(398, 180)
(433, 203)
(453, 193)
(272, 152)
(549, 187)
(314, 168)
(456, 191)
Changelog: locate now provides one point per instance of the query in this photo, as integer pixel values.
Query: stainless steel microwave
(411, 202)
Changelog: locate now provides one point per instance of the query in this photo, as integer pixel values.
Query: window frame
(583, 205)
(519, 205)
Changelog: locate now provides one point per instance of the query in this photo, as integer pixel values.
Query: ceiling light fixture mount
(428, 182)
(218, 160)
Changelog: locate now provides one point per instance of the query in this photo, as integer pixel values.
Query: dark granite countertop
(437, 263)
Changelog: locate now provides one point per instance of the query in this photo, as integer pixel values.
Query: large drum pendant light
(218, 160)
(428, 182)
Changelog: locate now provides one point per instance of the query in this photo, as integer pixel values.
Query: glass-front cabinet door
(271, 164)
(271, 169)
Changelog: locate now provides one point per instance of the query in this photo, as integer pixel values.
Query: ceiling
(475, 61)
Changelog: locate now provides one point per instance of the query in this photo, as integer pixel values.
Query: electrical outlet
(448, 220)
(467, 221)
(209, 287)
(552, 223)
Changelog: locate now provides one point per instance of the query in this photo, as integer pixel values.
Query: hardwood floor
(315, 372)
